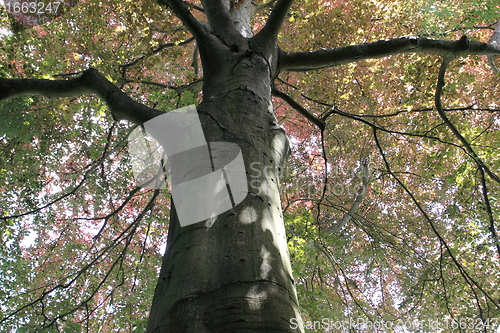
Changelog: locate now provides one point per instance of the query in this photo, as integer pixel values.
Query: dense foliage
(391, 209)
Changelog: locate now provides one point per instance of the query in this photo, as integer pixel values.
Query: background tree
(390, 197)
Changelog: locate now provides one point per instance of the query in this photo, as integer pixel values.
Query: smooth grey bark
(232, 273)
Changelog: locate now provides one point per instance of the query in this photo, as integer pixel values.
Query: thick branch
(183, 13)
(263, 6)
(195, 6)
(277, 17)
(304, 61)
(222, 24)
(90, 82)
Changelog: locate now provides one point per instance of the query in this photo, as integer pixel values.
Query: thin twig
(299, 108)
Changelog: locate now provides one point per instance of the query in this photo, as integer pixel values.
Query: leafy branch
(452, 127)
(481, 165)
(92, 167)
(469, 280)
(125, 236)
(157, 50)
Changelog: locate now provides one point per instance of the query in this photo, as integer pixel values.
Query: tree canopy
(390, 196)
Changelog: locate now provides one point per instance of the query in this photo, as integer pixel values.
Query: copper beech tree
(424, 178)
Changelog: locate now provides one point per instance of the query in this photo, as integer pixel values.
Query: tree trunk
(232, 273)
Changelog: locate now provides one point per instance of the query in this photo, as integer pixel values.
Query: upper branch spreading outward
(221, 22)
(304, 61)
(90, 82)
(277, 17)
(183, 13)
